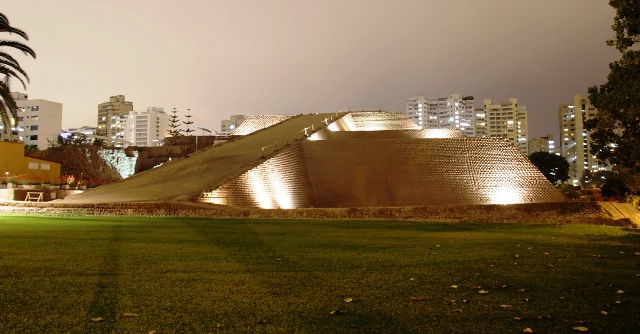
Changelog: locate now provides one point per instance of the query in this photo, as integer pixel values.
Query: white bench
(34, 196)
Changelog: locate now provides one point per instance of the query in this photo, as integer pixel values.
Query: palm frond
(8, 57)
(6, 121)
(6, 27)
(10, 73)
(10, 68)
(5, 95)
(15, 66)
(8, 108)
(19, 46)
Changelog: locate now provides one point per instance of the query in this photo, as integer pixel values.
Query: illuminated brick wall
(280, 182)
(382, 120)
(405, 172)
(391, 134)
(258, 122)
(349, 164)
(502, 175)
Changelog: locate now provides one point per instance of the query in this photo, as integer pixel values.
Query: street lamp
(203, 130)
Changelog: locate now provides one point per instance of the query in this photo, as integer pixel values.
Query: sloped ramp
(185, 178)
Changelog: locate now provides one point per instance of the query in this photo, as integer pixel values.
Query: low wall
(19, 194)
(547, 213)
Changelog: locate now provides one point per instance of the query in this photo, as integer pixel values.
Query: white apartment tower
(416, 107)
(146, 128)
(110, 117)
(506, 119)
(39, 121)
(575, 139)
(455, 111)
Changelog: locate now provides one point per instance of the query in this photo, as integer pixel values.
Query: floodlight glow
(314, 136)
(436, 133)
(280, 190)
(258, 191)
(505, 195)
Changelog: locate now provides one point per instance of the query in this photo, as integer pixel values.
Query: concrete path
(622, 211)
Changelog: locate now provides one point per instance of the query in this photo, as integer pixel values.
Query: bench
(34, 196)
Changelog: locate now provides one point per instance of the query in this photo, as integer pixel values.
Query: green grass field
(314, 276)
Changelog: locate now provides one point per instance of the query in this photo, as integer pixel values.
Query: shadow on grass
(105, 298)
(281, 277)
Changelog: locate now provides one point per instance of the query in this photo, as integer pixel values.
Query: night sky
(297, 56)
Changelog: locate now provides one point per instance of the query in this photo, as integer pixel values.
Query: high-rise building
(110, 116)
(506, 119)
(416, 107)
(455, 111)
(544, 144)
(39, 121)
(146, 128)
(227, 126)
(575, 139)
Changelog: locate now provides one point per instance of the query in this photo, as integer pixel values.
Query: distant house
(14, 165)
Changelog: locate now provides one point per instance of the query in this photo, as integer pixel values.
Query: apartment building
(574, 138)
(38, 121)
(544, 144)
(455, 111)
(111, 118)
(146, 128)
(227, 126)
(506, 119)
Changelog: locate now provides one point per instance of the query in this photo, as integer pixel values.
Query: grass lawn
(314, 276)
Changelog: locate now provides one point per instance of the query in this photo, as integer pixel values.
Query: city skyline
(220, 58)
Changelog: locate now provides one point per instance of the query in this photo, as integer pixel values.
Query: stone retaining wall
(49, 194)
(547, 213)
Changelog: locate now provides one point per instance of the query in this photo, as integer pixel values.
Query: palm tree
(10, 67)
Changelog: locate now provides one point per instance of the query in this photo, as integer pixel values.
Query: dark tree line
(615, 131)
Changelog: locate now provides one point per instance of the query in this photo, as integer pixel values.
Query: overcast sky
(223, 57)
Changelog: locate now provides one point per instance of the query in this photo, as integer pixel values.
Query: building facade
(146, 128)
(111, 118)
(544, 144)
(506, 119)
(575, 139)
(227, 126)
(15, 165)
(39, 121)
(454, 111)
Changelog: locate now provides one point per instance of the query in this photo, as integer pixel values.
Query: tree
(98, 142)
(28, 149)
(10, 68)
(554, 167)
(615, 131)
(174, 124)
(568, 189)
(188, 122)
(611, 183)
